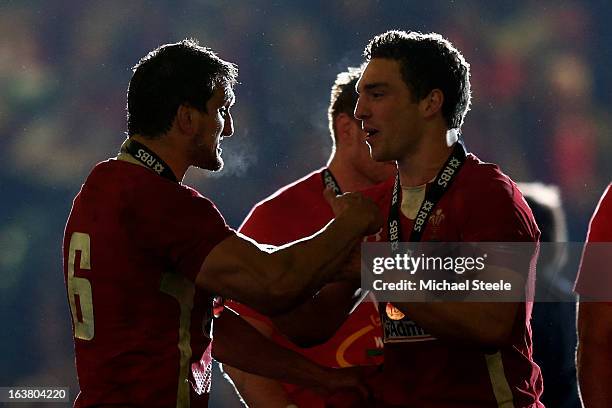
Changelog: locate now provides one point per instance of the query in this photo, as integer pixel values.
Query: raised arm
(239, 269)
(317, 319)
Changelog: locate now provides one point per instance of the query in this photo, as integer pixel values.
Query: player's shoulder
(121, 173)
(484, 178)
(105, 172)
(481, 170)
(108, 178)
(488, 189)
(293, 193)
(298, 208)
(133, 183)
(487, 186)
(312, 182)
(604, 207)
(599, 226)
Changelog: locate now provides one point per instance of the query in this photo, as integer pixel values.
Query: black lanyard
(145, 156)
(438, 187)
(330, 181)
(434, 193)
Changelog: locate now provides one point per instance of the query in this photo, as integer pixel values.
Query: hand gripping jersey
(133, 245)
(297, 211)
(482, 204)
(594, 281)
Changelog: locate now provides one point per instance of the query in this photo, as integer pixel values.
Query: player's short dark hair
(428, 62)
(169, 76)
(343, 97)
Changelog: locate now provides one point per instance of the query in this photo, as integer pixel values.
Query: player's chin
(212, 164)
(217, 166)
(380, 156)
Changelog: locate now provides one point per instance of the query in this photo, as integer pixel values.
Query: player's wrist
(366, 222)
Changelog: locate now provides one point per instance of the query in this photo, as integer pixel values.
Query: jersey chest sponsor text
(403, 330)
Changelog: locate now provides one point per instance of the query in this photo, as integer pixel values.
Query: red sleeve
(185, 227)
(499, 213)
(595, 277)
(204, 227)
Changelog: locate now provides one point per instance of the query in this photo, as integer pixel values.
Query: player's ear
(345, 129)
(186, 119)
(432, 103)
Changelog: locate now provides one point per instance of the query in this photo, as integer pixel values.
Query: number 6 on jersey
(81, 287)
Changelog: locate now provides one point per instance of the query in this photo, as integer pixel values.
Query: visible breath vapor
(238, 156)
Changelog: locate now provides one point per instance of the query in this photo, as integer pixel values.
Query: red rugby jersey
(293, 212)
(133, 245)
(482, 204)
(593, 280)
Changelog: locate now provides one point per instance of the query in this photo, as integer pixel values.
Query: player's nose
(228, 127)
(361, 110)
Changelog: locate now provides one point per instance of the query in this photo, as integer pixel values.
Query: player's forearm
(272, 283)
(305, 266)
(316, 320)
(256, 391)
(482, 324)
(472, 321)
(262, 356)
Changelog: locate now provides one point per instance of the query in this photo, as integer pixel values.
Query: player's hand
(357, 207)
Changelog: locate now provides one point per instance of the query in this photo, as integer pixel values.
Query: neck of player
(423, 164)
(164, 148)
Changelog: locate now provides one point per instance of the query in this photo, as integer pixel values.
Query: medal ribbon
(436, 190)
(330, 181)
(439, 186)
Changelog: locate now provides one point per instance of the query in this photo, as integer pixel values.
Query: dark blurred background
(541, 109)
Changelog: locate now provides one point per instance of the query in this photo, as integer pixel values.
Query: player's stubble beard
(205, 155)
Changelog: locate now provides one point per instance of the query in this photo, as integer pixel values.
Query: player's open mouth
(370, 132)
